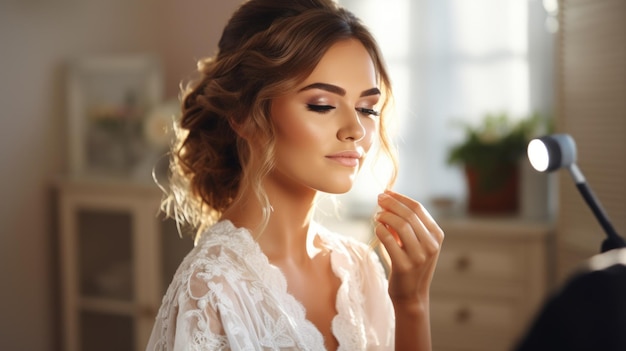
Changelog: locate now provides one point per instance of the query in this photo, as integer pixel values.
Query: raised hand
(413, 240)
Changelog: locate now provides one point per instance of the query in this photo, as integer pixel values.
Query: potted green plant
(490, 154)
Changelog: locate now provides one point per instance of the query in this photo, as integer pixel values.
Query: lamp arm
(613, 239)
(576, 174)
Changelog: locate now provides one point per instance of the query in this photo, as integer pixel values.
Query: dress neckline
(325, 237)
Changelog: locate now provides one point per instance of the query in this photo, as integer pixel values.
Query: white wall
(36, 37)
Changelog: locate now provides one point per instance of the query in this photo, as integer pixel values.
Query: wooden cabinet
(117, 256)
(491, 279)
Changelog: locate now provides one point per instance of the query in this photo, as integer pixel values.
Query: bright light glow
(552, 24)
(551, 6)
(538, 155)
(390, 19)
(486, 28)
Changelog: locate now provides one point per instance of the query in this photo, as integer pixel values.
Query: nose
(351, 128)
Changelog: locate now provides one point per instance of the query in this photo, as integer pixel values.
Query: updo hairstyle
(267, 48)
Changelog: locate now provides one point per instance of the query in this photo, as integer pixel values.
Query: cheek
(299, 138)
(300, 135)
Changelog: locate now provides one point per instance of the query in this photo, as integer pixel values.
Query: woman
(289, 107)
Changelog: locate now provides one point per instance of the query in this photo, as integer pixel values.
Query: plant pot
(493, 192)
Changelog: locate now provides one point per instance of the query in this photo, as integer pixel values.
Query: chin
(337, 188)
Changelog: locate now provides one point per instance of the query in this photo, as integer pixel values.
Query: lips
(346, 158)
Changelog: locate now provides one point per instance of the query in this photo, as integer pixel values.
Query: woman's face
(326, 126)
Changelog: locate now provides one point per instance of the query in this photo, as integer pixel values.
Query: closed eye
(320, 108)
(368, 111)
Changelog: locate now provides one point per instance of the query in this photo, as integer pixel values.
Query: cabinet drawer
(473, 324)
(502, 262)
(473, 313)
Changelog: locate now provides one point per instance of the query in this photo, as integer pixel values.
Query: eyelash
(368, 111)
(327, 108)
(320, 108)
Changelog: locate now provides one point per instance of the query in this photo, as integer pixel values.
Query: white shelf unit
(117, 256)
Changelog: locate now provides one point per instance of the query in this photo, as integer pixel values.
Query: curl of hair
(267, 48)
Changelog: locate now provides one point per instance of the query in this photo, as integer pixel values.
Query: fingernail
(382, 196)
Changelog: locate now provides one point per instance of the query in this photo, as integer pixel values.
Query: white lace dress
(227, 296)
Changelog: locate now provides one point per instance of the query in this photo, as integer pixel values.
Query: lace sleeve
(189, 317)
(226, 296)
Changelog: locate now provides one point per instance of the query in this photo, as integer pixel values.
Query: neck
(286, 235)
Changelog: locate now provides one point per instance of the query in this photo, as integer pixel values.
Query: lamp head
(552, 152)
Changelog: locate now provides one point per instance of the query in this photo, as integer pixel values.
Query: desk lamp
(556, 151)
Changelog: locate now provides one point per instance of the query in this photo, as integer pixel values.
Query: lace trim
(223, 233)
(347, 325)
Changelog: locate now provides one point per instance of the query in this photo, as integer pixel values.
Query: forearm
(413, 326)
(413, 241)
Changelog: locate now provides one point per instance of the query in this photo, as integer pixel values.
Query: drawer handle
(463, 263)
(463, 315)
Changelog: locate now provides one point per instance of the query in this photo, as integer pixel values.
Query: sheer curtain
(450, 61)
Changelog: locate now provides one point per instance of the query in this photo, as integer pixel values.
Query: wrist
(411, 307)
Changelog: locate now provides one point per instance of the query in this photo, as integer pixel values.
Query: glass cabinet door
(105, 259)
(105, 271)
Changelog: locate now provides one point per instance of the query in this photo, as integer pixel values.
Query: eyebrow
(338, 90)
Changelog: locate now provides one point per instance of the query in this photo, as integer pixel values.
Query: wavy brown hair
(267, 48)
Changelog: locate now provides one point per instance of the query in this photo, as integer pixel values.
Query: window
(451, 61)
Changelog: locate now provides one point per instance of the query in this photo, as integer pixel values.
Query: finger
(415, 207)
(410, 215)
(396, 254)
(414, 237)
(421, 212)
